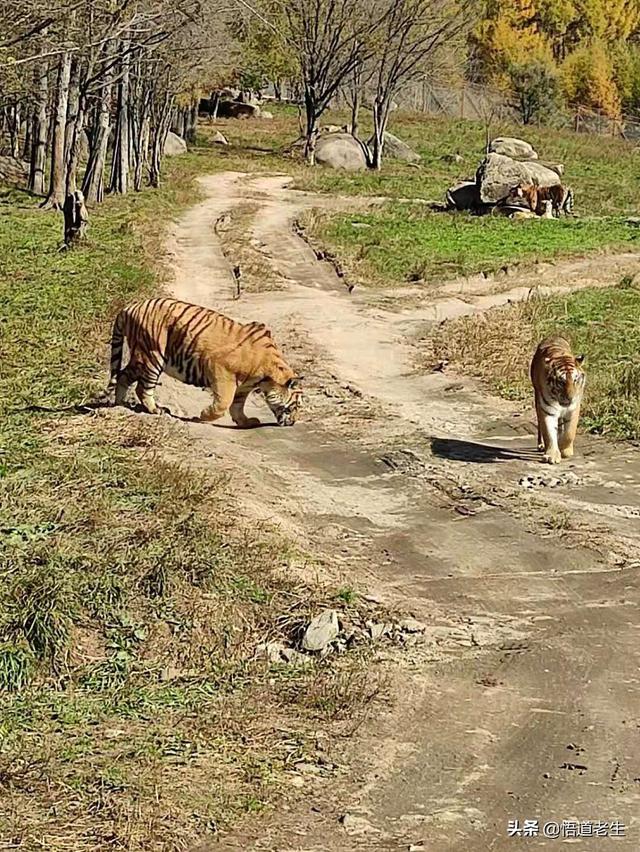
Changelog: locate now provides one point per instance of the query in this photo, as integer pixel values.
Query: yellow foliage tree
(588, 79)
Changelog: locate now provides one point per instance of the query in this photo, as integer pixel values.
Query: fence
(481, 103)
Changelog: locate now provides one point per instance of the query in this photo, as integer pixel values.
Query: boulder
(340, 151)
(264, 113)
(509, 146)
(174, 145)
(334, 128)
(464, 196)
(399, 150)
(322, 630)
(219, 139)
(498, 174)
(236, 109)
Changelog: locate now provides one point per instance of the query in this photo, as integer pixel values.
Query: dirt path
(522, 700)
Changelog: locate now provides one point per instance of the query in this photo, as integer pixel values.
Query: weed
(16, 667)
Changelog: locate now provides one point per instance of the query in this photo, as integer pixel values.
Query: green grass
(405, 242)
(601, 323)
(132, 595)
(409, 243)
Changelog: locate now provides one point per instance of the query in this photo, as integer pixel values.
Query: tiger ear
(580, 359)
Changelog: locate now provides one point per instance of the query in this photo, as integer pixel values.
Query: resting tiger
(201, 347)
(558, 384)
(561, 198)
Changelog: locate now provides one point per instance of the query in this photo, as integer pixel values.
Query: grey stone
(498, 175)
(399, 150)
(277, 653)
(379, 630)
(264, 113)
(340, 151)
(411, 625)
(464, 196)
(322, 630)
(174, 145)
(452, 158)
(354, 824)
(219, 139)
(510, 146)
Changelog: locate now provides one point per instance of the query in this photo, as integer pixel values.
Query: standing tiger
(201, 347)
(561, 198)
(558, 384)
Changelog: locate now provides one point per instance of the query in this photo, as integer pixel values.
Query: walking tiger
(201, 347)
(558, 384)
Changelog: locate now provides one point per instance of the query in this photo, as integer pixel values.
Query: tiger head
(283, 399)
(566, 378)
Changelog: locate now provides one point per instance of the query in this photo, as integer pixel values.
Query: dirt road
(522, 703)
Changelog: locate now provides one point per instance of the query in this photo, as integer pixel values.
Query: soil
(520, 700)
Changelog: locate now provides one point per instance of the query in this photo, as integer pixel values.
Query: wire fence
(481, 103)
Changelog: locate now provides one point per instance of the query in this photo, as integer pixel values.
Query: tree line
(100, 83)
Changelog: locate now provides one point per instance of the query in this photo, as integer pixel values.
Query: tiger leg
(568, 434)
(549, 427)
(539, 416)
(223, 387)
(124, 381)
(237, 411)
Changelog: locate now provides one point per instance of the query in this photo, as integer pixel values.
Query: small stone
(322, 630)
(353, 824)
(379, 630)
(411, 625)
(219, 139)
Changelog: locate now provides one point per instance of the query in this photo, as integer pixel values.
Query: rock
(340, 151)
(354, 824)
(411, 625)
(277, 653)
(333, 128)
(379, 630)
(399, 150)
(174, 145)
(264, 113)
(219, 139)
(237, 109)
(452, 158)
(498, 175)
(517, 149)
(464, 196)
(322, 630)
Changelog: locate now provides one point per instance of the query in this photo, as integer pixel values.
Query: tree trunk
(76, 218)
(120, 165)
(380, 120)
(75, 146)
(39, 133)
(93, 183)
(277, 89)
(191, 124)
(159, 137)
(355, 113)
(14, 129)
(311, 129)
(55, 199)
(73, 106)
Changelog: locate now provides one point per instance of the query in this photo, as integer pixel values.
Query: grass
(403, 242)
(410, 243)
(602, 323)
(132, 595)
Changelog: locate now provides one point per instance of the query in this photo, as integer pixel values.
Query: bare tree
(412, 34)
(331, 38)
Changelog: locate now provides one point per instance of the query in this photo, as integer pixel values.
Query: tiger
(561, 198)
(201, 347)
(558, 385)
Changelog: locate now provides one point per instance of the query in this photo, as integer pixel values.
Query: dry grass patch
(602, 323)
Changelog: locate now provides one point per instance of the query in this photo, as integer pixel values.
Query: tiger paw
(567, 453)
(553, 457)
(249, 423)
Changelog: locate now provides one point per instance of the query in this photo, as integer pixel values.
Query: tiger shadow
(455, 449)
